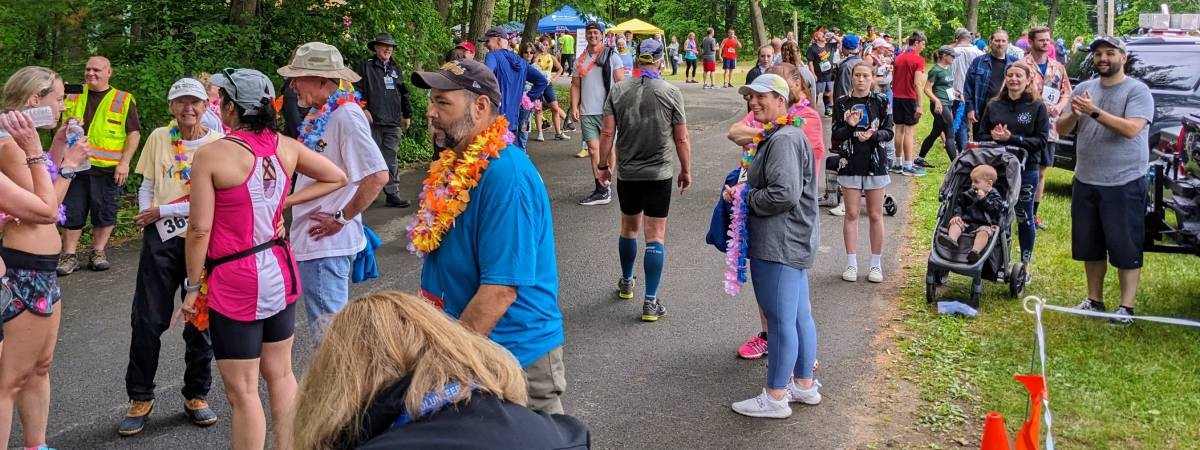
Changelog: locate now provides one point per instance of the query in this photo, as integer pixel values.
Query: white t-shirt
(963, 56)
(348, 145)
(592, 95)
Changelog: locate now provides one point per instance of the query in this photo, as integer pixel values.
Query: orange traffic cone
(995, 436)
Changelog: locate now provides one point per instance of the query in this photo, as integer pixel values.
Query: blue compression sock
(655, 257)
(627, 249)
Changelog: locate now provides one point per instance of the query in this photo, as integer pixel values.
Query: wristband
(190, 287)
(39, 159)
(604, 167)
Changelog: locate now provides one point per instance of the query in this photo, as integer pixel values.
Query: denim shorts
(325, 283)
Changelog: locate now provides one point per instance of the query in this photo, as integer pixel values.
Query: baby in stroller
(978, 209)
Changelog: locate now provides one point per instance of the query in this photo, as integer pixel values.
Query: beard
(451, 136)
(1108, 71)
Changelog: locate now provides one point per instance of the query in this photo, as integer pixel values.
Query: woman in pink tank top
(251, 272)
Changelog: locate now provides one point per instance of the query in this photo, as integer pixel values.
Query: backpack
(603, 60)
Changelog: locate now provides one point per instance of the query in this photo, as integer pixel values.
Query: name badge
(389, 83)
(170, 227)
(1050, 95)
(825, 66)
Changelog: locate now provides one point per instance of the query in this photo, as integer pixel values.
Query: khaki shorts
(591, 127)
(547, 379)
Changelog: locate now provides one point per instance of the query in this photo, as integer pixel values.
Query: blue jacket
(979, 76)
(512, 73)
(718, 226)
(365, 267)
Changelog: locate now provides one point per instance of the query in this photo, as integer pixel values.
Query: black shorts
(1046, 159)
(1109, 221)
(234, 339)
(904, 111)
(652, 198)
(93, 193)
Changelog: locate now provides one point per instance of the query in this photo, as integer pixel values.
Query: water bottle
(74, 134)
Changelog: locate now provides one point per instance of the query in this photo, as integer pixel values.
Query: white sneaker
(851, 274)
(839, 210)
(876, 275)
(810, 396)
(764, 406)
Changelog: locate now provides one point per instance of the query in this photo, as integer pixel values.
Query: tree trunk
(512, 10)
(531, 20)
(973, 15)
(712, 18)
(241, 12)
(730, 17)
(761, 37)
(481, 18)
(1053, 15)
(443, 9)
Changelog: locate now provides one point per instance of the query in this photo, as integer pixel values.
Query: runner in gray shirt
(708, 53)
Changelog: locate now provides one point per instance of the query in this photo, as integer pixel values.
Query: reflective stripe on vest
(106, 131)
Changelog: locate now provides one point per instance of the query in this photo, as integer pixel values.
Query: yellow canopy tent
(636, 26)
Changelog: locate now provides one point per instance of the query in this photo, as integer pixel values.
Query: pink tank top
(262, 284)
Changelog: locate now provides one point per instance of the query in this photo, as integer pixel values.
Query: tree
(241, 12)
(443, 9)
(481, 18)
(1053, 14)
(531, 20)
(761, 37)
(973, 15)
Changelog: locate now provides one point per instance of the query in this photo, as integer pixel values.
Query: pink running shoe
(755, 348)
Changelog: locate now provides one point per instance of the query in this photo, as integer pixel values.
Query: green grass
(1110, 387)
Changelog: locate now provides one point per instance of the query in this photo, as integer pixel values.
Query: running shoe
(755, 348)
(764, 406)
(570, 126)
(809, 396)
(652, 310)
(913, 172)
(839, 210)
(1037, 222)
(68, 263)
(136, 417)
(540, 137)
(625, 288)
(921, 162)
(598, 197)
(199, 413)
(561, 137)
(1091, 305)
(1126, 316)
(850, 274)
(99, 261)
(583, 153)
(876, 275)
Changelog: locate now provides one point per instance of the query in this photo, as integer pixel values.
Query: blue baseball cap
(850, 42)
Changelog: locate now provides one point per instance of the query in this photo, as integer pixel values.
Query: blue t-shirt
(504, 237)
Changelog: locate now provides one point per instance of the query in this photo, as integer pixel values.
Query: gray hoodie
(783, 200)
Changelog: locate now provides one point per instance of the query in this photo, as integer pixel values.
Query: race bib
(1050, 95)
(825, 66)
(170, 227)
(389, 83)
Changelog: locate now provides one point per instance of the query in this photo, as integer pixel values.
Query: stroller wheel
(1016, 282)
(889, 205)
(930, 292)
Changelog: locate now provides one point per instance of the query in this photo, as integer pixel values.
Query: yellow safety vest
(106, 131)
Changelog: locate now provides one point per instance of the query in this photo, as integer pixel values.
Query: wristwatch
(340, 217)
(1094, 115)
(67, 172)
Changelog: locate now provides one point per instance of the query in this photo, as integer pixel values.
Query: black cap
(494, 32)
(594, 26)
(462, 74)
(1111, 41)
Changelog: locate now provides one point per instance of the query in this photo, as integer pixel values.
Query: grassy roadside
(1110, 387)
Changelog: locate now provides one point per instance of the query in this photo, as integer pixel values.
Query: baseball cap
(946, 50)
(494, 32)
(650, 51)
(850, 42)
(880, 42)
(467, 45)
(463, 74)
(1111, 41)
(767, 83)
(962, 33)
(594, 26)
(185, 87)
(248, 88)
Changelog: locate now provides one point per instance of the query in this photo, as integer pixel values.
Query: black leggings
(690, 70)
(941, 124)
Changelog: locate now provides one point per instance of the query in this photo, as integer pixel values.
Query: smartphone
(864, 120)
(71, 88)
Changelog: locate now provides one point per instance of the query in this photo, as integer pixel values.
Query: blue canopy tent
(514, 27)
(567, 19)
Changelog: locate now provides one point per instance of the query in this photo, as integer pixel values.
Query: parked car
(1168, 66)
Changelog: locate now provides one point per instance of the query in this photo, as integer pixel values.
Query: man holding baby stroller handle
(1110, 116)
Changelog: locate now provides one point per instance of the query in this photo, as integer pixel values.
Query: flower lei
(317, 119)
(738, 246)
(183, 169)
(446, 191)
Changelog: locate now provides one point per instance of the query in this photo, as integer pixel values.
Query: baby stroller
(994, 260)
(833, 193)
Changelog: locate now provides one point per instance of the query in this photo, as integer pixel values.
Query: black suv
(1168, 66)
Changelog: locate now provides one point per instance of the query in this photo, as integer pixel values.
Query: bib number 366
(171, 226)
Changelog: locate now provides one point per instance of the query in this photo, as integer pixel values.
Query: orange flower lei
(446, 191)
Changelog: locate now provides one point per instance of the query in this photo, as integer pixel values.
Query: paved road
(663, 385)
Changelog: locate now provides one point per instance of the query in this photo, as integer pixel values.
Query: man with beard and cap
(1110, 116)
(389, 109)
(512, 72)
(495, 269)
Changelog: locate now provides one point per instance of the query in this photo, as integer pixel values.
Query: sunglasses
(228, 72)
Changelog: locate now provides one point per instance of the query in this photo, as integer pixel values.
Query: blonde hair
(984, 172)
(790, 72)
(27, 82)
(380, 339)
(204, 78)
